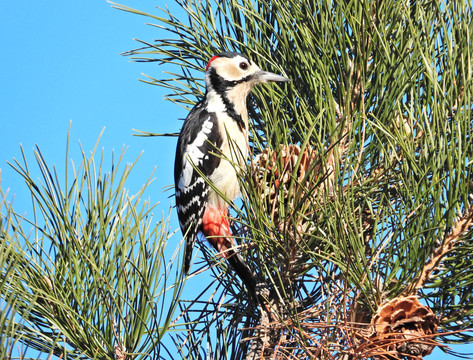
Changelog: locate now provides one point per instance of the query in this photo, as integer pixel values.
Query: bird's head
(231, 71)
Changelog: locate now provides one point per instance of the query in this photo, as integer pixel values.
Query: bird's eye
(244, 66)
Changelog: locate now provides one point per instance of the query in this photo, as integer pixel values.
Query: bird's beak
(265, 76)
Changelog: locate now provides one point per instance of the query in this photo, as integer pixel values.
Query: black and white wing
(197, 144)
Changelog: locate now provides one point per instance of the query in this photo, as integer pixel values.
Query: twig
(434, 262)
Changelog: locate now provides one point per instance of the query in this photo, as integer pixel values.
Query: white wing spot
(193, 155)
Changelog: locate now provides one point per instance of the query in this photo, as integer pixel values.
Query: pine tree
(87, 277)
(357, 208)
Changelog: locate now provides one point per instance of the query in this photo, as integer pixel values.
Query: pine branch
(459, 230)
(90, 281)
(359, 169)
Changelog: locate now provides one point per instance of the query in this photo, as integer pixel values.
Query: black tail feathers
(243, 271)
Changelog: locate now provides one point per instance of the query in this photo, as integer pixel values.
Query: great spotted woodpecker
(215, 135)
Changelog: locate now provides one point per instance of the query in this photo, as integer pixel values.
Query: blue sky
(61, 63)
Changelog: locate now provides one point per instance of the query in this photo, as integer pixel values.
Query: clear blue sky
(60, 62)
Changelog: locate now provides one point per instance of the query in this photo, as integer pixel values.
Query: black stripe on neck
(221, 86)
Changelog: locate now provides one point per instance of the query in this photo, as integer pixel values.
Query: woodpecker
(215, 135)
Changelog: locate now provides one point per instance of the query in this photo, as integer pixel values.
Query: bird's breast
(233, 158)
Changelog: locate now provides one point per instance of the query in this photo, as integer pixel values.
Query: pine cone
(403, 323)
(274, 170)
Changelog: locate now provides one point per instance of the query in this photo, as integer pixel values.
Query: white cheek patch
(194, 155)
(229, 68)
